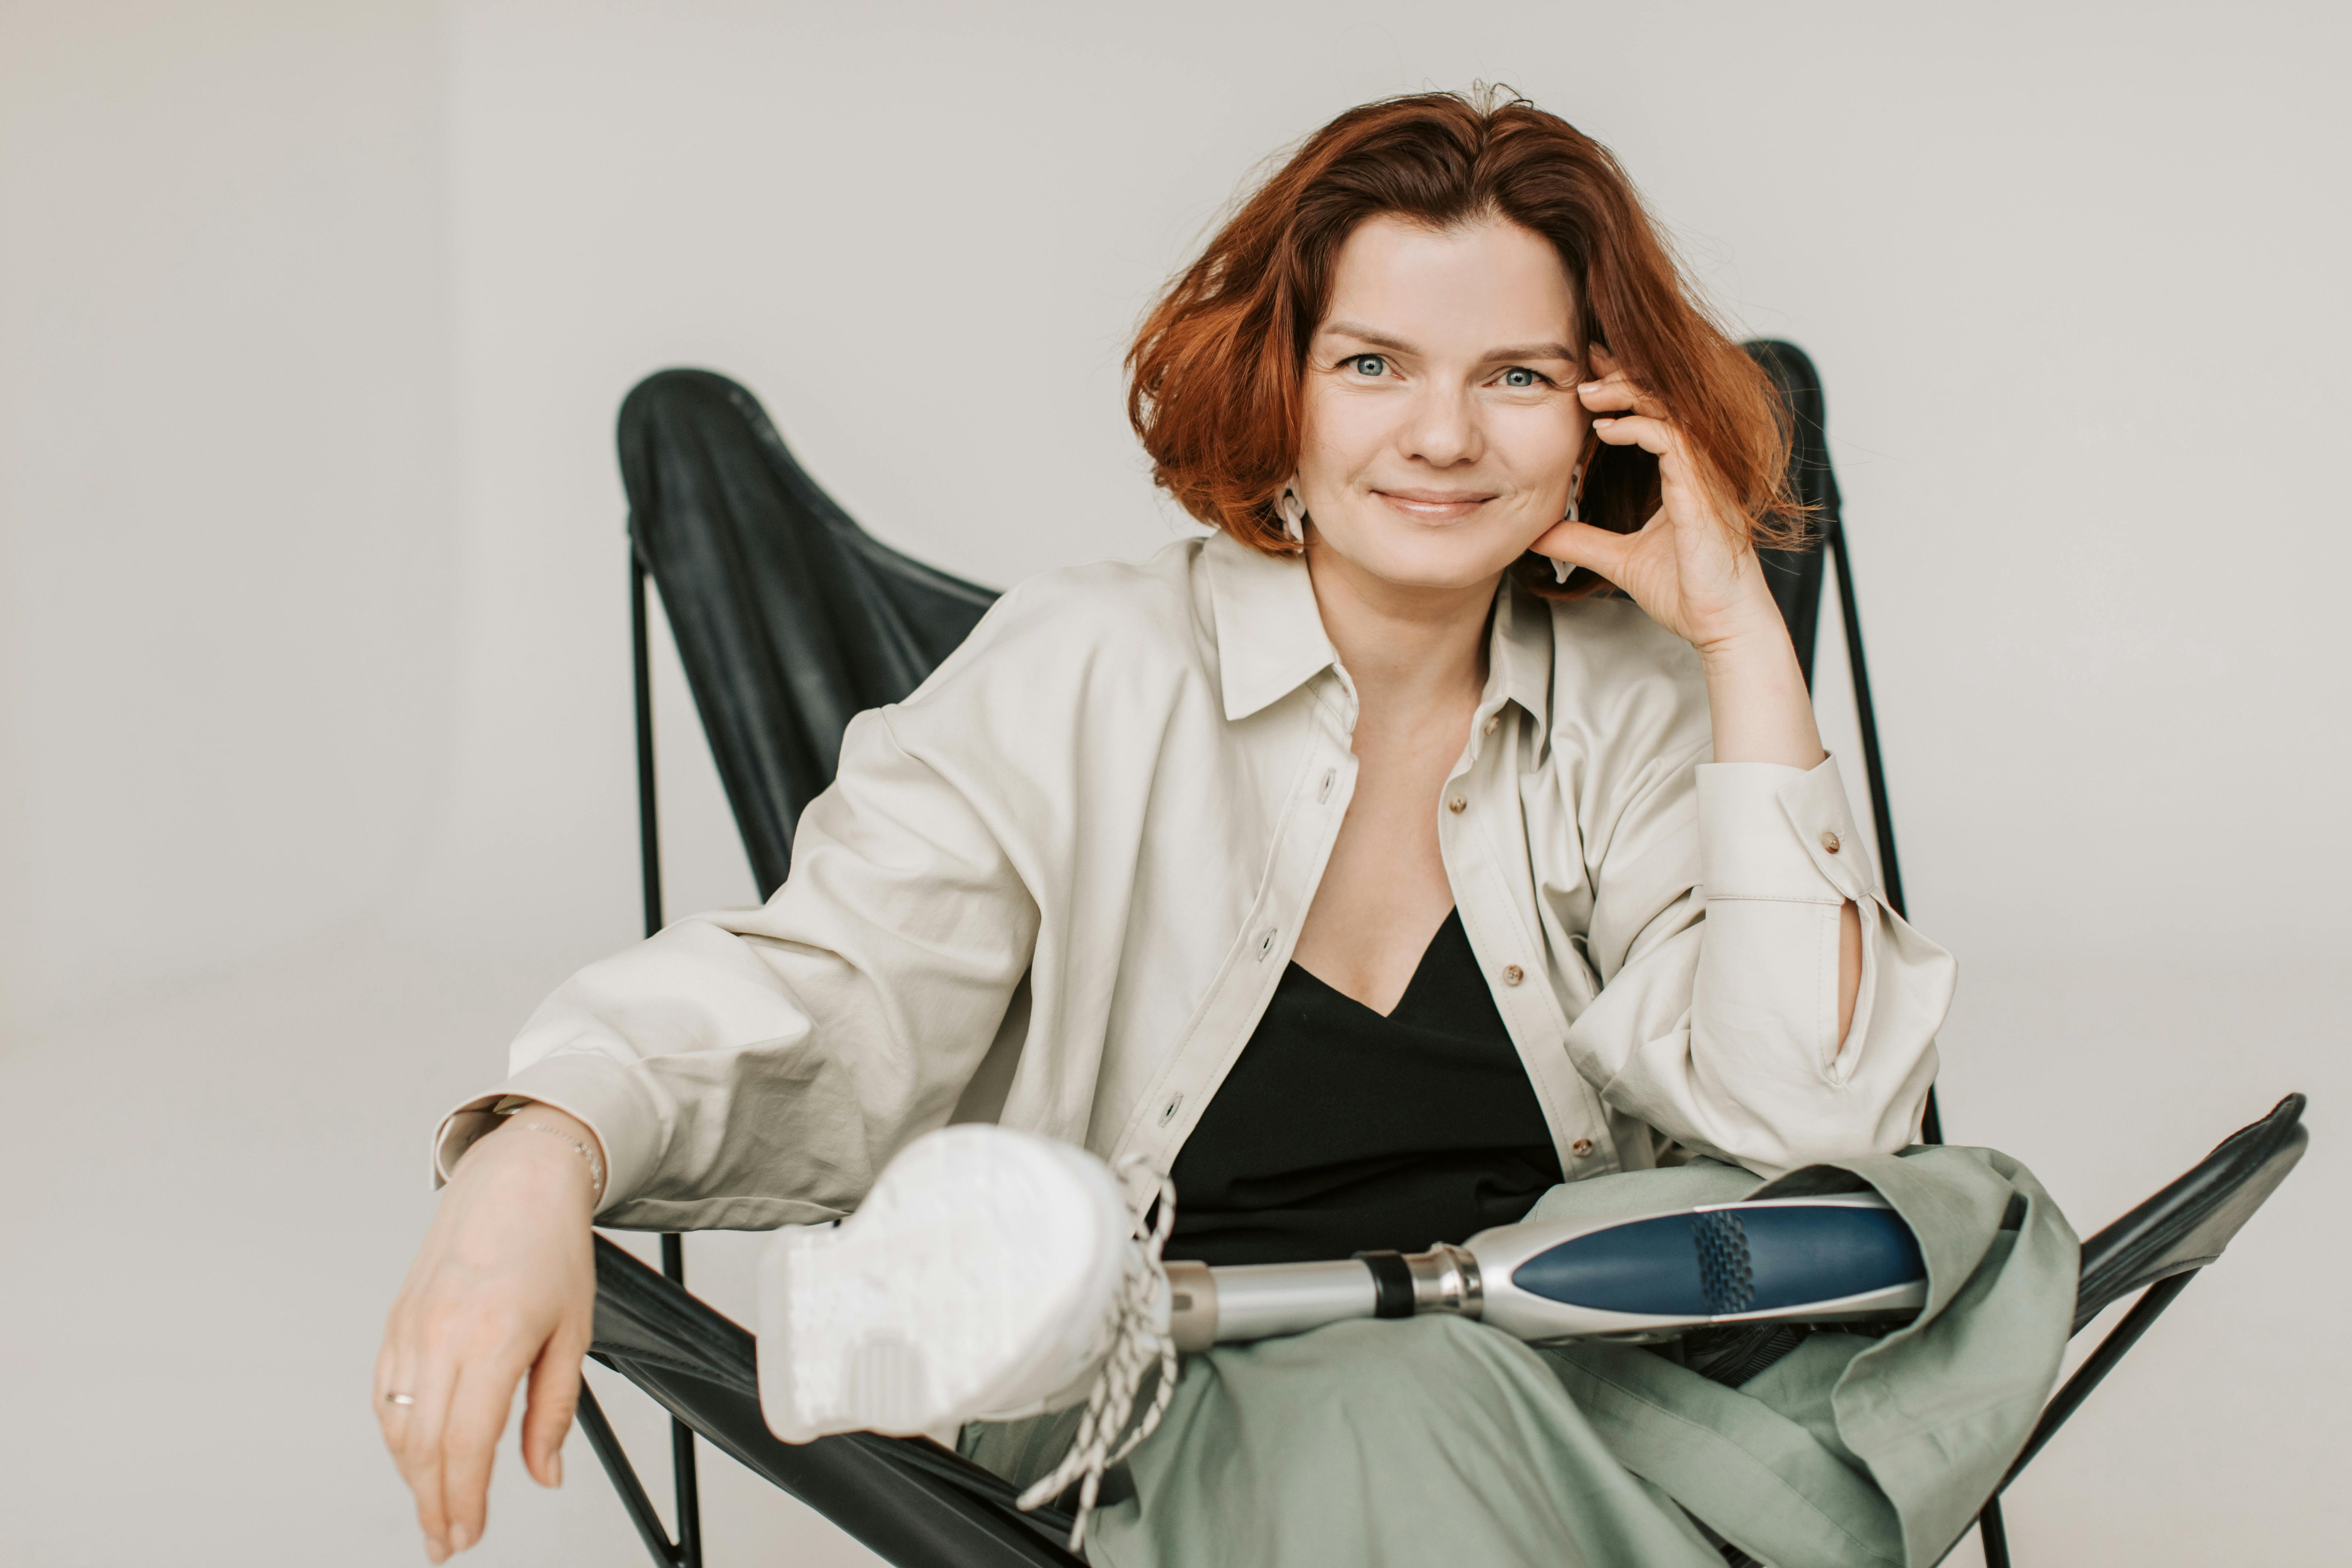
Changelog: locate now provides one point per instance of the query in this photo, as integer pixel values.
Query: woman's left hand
(1691, 565)
(1692, 568)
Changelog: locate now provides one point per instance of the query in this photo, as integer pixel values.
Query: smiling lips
(1436, 506)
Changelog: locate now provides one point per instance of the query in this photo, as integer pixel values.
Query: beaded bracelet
(595, 1161)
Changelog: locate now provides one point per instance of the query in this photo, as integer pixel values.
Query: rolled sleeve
(1784, 833)
(596, 1091)
(1722, 1025)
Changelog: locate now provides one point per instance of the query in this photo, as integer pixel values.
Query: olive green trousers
(1437, 1441)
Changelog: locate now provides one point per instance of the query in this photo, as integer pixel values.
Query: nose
(1444, 429)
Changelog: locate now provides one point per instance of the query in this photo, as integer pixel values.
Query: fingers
(386, 1386)
(547, 1413)
(445, 1441)
(504, 1282)
(1650, 433)
(470, 1443)
(1693, 487)
(1581, 545)
(413, 1433)
(1648, 425)
(1614, 392)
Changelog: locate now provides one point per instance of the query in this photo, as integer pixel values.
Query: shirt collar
(1270, 638)
(1519, 655)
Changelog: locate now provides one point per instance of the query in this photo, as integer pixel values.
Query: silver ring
(400, 1399)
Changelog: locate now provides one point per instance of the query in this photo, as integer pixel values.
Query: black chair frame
(910, 1501)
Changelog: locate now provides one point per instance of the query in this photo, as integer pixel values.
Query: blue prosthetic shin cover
(1645, 1276)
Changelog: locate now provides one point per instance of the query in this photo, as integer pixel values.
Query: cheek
(1340, 437)
(1541, 445)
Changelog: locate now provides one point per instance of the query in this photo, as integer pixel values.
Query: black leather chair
(789, 620)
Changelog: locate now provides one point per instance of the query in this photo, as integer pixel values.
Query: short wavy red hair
(1216, 371)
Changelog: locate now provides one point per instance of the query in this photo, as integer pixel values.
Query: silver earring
(1293, 515)
(1561, 570)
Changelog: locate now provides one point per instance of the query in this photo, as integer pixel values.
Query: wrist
(1750, 630)
(542, 1150)
(1758, 708)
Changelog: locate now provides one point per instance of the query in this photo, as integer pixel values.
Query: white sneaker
(982, 1278)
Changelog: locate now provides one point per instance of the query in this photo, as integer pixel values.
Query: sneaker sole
(975, 1280)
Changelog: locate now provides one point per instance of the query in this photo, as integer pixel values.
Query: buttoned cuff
(596, 1089)
(1767, 831)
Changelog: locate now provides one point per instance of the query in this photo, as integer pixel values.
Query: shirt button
(1580, 1147)
(1488, 727)
(1830, 842)
(1513, 975)
(1457, 803)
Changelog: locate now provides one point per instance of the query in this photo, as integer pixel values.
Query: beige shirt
(1055, 888)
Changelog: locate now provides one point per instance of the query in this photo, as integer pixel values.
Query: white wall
(2066, 281)
(226, 479)
(313, 321)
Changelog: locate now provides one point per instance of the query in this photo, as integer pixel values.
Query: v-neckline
(1411, 984)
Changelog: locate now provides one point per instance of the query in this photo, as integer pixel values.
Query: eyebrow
(1362, 334)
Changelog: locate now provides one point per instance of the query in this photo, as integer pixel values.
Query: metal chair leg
(1873, 767)
(688, 1551)
(1931, 1129)
(2103, 1360)
(1994, 1535)
(640, 1508)
(1991, 1530)
(687, 1488)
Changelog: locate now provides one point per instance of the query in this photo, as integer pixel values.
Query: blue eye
(1370, 365)
(1520, 376)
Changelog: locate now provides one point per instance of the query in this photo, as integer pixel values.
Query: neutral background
(313, 320)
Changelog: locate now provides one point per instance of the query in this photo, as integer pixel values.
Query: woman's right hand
(504, 1285)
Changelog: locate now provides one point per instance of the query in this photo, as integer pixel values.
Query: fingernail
(435, 1552)
(1588, 386)
(555, 1471)
(1597, 424)
(461, 1536)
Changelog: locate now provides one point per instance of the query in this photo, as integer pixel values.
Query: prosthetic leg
(1640, 1276)
(991, 1273)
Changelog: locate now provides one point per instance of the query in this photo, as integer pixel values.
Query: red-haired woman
(1445, 833)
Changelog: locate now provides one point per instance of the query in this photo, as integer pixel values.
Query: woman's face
(1442, 420)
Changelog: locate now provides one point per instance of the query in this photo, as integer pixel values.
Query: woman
(1368, 865)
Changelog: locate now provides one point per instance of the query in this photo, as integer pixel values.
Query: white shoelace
(1140, 1343)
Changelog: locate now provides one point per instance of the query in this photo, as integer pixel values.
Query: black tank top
(1340, 1129)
